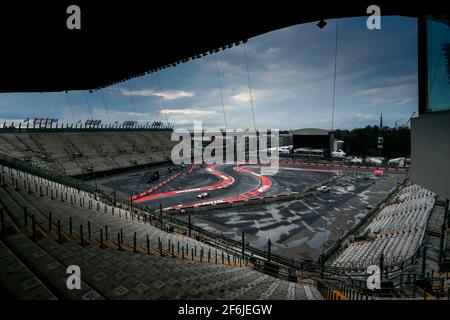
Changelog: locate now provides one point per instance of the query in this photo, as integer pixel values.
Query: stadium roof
(117, 41)
(311, 132)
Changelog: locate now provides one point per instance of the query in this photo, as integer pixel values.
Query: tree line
(364, 141)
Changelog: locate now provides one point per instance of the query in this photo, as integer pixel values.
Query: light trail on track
(225, 182)
(264, 184)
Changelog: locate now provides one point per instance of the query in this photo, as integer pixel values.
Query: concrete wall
(430, 152)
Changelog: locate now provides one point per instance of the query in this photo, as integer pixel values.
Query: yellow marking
(340, 295)
(16, 229)
(42, 232)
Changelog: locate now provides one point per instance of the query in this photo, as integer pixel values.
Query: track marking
(264, 185)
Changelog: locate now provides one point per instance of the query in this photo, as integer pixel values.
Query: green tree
(363, 142)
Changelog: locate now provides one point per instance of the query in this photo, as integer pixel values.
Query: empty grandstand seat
(399, 227)
(108, 273)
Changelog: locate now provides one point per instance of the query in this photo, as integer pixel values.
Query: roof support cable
(89, 106)
(334, 74)
(105, 106)
(249, 86)
(132, 99)
(162, 97)
(330, 179)
(70, 105)
(220, 89)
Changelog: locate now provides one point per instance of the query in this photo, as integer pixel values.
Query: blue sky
(291, 74)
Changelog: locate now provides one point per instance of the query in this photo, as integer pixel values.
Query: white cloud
(366, 92)
(346, 75)
(365, 116)
(167, 94)
(244, 95)
(225, 67)
(187, 116)
(241, 97)
(270, 53)
(189, 112)
(272, 50)
(399, 93)
(405, 100)
(400, 79)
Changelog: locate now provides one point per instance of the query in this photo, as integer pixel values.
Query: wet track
(225, 182)
(229, 183)
(241, 183)
(297, 228)
(234, 183)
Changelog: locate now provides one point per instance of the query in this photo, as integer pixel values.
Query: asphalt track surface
(297, 228)
(242, 184)
(232, 183)
(301, 228)
(235, 183)
(225, 181)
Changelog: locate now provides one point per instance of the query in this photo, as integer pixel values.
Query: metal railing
(23, 166)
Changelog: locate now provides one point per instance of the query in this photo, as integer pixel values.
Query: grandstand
(84, 152)
(394, 233)
(48, 226)
(396, 237)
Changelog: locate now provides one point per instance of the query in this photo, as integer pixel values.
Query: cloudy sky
(291, 76)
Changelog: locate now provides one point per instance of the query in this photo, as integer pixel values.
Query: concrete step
(18, 280)
(49, 270)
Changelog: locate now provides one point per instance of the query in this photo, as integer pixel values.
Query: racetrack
(225, 182)
(298, 228)
(233, 183)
